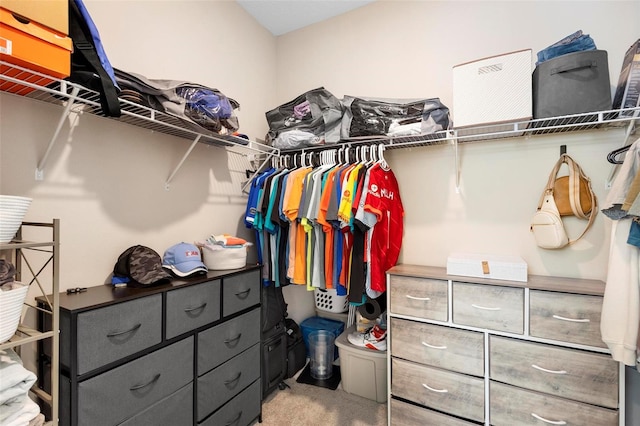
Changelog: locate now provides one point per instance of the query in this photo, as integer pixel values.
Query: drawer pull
(571, 319)
(551, 422)
(417, 298)
(233, 339)
(548, 371)
(433, 347)
(196, 308)
(484, 307)
(434, 389)
(138, 387)
(120, 333)
(235, 420)
(235, 379)
(243, 294)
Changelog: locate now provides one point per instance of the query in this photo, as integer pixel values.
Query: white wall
(407, 49)
(105, 181)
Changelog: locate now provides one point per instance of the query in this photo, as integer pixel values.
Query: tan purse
(564, 196)
(573, 194)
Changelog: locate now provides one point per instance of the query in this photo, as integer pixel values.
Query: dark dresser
(185, 353)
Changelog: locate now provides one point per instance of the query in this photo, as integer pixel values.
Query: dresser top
(535, 282)
(107, 294)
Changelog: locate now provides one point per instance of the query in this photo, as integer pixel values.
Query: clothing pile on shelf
(16, 408)
(333, 224)
(201, 107)
(621, 306)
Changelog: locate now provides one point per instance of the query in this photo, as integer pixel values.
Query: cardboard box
(33, 47)
(498, 267)
(493, 90)
(573, 83)
(628, 90)
(49, 13)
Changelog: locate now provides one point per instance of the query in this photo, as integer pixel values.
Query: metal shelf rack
(75, 98)
(25, 334)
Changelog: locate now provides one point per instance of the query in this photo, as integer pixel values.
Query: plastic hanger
(611, 157)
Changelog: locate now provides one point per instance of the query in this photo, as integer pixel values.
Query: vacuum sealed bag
(311, 119)
(392, 117)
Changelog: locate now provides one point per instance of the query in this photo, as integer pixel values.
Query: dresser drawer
(419, 297)
(570, 373)
(224, 341)
(226, 381)
(514, 406)
(439, 389)
(240, 292)
(493, 307)
(438, 346)
(572, 318)
(114, 332)
(118, 394)
(405, 414)
(192, 307)
(241, 410)
(176, 409)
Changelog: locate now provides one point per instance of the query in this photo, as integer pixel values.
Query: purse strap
(575, 175)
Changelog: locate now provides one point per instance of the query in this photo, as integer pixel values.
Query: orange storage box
(32, 46)
(50, 13)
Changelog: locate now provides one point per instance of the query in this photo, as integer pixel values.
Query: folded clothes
(15, 382)
(226, 240)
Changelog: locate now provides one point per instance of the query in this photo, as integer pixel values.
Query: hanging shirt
(383, 200)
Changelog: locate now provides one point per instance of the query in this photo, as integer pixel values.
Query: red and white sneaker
(375, 338)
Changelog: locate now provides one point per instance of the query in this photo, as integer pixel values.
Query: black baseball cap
(142, 266)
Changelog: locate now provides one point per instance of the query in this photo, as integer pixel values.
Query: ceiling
(283, 16)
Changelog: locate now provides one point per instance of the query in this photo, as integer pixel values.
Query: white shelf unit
(18, 250)
(75, 98)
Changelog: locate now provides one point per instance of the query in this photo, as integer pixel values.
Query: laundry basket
(328, 300)
(11, 302)
(12, 210)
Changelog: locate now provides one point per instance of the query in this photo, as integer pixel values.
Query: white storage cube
(497, 267)
(492, 90)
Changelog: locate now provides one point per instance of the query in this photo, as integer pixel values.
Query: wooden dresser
(186, 353)
(467, 351)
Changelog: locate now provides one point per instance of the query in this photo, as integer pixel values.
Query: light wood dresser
(467, 351)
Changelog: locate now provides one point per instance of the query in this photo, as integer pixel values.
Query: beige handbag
(577, 199)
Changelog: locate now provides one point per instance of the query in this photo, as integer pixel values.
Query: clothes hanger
(611, 157)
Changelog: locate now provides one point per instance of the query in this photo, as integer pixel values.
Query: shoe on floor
(375, 338)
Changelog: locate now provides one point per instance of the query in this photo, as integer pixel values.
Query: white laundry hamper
(11, 302)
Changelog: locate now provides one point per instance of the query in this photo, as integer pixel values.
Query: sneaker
(375, 338)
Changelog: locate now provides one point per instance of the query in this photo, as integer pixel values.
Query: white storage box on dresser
(467, 350)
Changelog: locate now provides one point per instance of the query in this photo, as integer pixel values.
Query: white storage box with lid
(224, 257)
(363, 371)
(496, 89)
(498, 267)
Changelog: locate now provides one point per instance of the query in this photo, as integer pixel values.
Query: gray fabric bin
(574, 83)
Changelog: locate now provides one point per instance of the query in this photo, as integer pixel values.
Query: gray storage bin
(574, 83)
